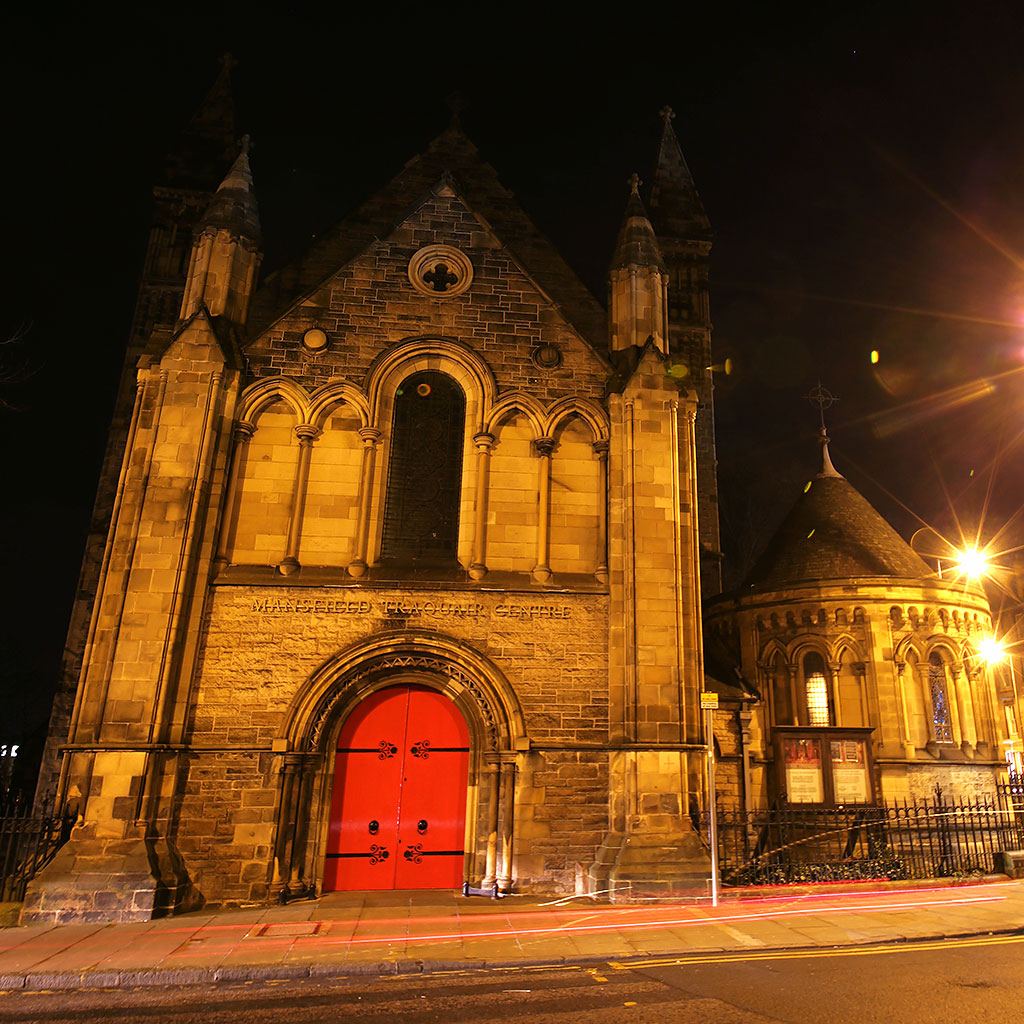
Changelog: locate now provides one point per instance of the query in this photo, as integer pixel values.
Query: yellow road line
(786, 954)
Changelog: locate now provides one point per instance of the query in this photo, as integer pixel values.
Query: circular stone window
(315, 340)
(440, 271)
(546, 356)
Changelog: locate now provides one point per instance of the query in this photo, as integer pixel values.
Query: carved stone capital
(484, 442)
(307, 433)
(371, 436)
(601, 447)
(244, 430)
(544, 446)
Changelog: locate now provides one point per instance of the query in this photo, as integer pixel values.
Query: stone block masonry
(260, 647)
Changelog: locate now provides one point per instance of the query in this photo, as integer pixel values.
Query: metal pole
(712, 808)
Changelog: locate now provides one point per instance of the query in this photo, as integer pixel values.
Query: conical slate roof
(833, 533)
(636, 245)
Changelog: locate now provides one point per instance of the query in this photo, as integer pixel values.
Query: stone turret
(637, 282)
(226, 251)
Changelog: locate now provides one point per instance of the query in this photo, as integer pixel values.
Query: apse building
(864, 667)
(396, 571)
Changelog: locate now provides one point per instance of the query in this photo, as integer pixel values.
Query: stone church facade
(396, 572)
(419, 469)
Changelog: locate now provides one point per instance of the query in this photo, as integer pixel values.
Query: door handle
(373, 827)
(421, 826)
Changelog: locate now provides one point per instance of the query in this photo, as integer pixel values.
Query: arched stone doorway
(398, 800)
(477, 691)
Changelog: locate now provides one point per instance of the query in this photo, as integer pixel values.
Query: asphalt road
(976, 980)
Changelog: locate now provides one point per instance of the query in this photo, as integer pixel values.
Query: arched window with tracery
(819, 707)
(942, 724)
(421, 507)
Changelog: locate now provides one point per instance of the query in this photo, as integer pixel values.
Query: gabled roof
(451, 154)
(833, 532)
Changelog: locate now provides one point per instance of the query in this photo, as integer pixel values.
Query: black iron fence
(29, 839)
(940, 837)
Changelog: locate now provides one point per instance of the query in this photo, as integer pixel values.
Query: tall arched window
(819, 712)
(942, 727)
(421, 510)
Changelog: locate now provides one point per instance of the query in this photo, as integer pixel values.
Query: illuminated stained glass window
(816, 689)
(942, 727)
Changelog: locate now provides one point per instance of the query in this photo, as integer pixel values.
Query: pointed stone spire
(637, 281)
(636, 245)
(207, 144)
(226, 248)
(234, 203)
(676, 209)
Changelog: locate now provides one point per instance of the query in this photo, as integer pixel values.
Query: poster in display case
(805, 783)
(825, 767)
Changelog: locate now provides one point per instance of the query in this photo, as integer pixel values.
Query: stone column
(799, 706)
(508, 810)
(284, 841)
(493, 776)
(371, 437)
(952, 675)
(306, 434)
(244, 431)
(544, 446)
(299, 879)
(484, 444)
(601, 451)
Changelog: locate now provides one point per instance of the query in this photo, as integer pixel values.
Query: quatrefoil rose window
(440, 271)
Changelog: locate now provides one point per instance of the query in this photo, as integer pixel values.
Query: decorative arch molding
(457, 360)
(513, 402)
(907, 645)
(951, 652)
(474, 682)
(334, 393)
(255, 397)
(801, 645)
(772, 650)
(591, 413)
(846, 644)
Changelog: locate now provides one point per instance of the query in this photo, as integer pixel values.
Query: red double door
(398, 810)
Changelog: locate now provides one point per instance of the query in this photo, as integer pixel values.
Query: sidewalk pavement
(424, 931)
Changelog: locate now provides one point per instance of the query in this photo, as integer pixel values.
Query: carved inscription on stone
(393, 608)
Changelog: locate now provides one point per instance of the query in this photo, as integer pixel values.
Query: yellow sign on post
(708, 701)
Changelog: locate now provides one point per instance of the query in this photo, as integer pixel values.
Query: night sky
(863, 173)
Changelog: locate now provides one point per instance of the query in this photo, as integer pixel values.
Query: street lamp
(971, 563)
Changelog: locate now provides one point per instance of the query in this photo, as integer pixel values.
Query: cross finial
(246, 142)
(667, 114)
(228, 61)
(634, 183)
(823, 399)
(455, 105)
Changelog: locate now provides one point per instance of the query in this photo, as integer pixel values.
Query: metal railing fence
(939, 837)
(28, 842)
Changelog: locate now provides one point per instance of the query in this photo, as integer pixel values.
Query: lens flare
(972, 563)
(991, 650)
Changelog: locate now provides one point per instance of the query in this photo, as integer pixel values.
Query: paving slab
(392, 933)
